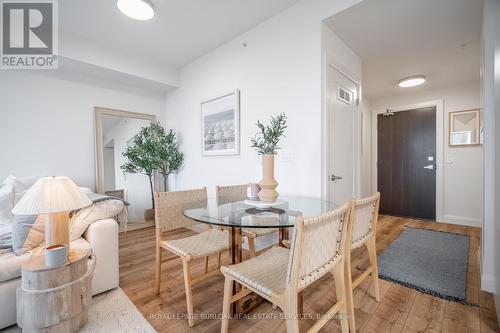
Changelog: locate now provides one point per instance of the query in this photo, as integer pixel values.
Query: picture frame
(464, 128)
(220, 125)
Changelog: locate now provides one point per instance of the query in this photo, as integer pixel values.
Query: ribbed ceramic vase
(268, 184)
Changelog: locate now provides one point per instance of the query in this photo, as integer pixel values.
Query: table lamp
(56, 197)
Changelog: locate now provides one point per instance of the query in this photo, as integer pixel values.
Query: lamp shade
(51, 195)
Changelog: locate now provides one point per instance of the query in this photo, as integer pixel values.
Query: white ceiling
(181, 31)
(399, 38)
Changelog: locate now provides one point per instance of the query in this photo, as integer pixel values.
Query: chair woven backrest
(318, 244)
(170, 205)
(365, 217)
(230, 193)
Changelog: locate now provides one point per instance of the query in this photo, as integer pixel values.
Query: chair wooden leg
(206, 264)
(226, 304)
(188, 289)
(158, 269)
(372, 254)
(219, 259)
(349, 294)
(341, 296)
(251, 246)
(292, 314)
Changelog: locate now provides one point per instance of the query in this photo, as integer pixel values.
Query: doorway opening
(407, 160)
(406, 170)
(342, 109)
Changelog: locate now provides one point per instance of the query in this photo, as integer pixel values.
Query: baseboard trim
(137, 225)
(463, 220)
(488, 283)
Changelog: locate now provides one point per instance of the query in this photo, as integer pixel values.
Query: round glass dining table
(235, 215)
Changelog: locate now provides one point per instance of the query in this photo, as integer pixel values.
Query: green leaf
(267, 139)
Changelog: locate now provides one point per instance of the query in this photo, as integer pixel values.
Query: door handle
(429, 167)
(334, 178)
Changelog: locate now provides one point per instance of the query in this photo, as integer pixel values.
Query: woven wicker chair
(279, 274)
(168, 217)
(362, 231)
(233, 193)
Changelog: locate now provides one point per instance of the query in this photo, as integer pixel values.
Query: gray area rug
(110, 312)
(432, 262)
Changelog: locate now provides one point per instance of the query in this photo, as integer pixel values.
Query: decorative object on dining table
(261, 205)
(220, 124)
(253, 190)
(56, 197)
(266, 143)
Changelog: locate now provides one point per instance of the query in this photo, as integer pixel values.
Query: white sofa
(100, 239)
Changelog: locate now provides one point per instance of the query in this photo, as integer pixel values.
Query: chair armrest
(103, 238)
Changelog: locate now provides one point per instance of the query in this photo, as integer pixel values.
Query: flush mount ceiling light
(411, 81)
(137, 9)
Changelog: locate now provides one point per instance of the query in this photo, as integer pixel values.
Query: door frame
(329, 61)
(439, 104)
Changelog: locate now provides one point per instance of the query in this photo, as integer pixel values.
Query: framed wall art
(220, 125)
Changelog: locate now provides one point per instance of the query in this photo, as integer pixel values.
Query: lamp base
(57, 229)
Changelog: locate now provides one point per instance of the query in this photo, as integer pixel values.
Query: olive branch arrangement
(266, 141)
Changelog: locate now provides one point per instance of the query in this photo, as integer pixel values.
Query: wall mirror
(465, 128)
(116, 130)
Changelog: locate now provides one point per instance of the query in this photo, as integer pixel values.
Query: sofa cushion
(10, 264)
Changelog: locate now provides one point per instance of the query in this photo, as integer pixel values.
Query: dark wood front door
(406, 166)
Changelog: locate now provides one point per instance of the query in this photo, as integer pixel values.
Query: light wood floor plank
(401, 309)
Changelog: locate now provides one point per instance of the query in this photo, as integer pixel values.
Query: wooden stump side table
(55, 299)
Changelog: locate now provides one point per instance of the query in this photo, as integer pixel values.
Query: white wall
(136, 186)
(463, 166)
(490, 274)
(366, 148)
(337, 54)
(47, 124)
(279, 70)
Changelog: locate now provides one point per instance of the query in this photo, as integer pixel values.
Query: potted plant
(169, 157)
(153, 150)
(266, 143)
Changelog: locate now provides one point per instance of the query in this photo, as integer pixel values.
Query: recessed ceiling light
(137, 9)
(411, 81)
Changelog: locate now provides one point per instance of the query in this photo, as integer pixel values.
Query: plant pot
(268, 184)
(149, 214)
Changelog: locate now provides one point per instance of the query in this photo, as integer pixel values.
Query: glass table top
(235, 213)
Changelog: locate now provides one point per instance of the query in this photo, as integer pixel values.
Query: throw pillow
(28, 232)
(6, 204)
(21, 185)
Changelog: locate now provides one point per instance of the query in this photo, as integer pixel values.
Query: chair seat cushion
(265, 273)
(257, 232)
(200, 245)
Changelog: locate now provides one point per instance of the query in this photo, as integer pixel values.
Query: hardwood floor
(401, 309)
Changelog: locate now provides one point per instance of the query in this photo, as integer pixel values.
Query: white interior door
(342, 107)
